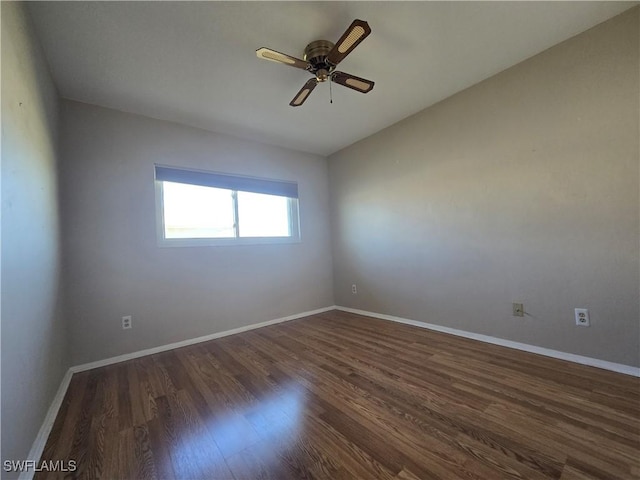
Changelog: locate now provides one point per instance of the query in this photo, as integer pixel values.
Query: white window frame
(294, 222)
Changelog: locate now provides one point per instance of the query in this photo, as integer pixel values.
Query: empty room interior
(320, 240)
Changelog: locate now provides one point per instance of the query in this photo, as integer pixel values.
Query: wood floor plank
(110, 467)
(260, 462)
(343, 396)
(142, 454)
(126, 449)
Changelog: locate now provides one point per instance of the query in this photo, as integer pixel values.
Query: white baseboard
(547, 352)
(192, 341)
(41, 440)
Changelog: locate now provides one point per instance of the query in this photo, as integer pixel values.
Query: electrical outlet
(582, 317)
(354, 289)
(518, 310)
(126, 322)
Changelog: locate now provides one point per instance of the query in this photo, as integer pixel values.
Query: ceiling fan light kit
(321, 58)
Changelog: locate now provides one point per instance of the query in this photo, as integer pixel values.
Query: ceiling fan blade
(356, 83)
(357, 32)
(304, 92)
(268, 54)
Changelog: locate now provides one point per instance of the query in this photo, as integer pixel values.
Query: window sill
(222, 242)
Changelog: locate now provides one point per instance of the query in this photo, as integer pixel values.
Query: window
(205, 208)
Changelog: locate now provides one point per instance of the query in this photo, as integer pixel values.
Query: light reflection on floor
(256, 434)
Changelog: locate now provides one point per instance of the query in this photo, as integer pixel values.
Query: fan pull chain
(330, 92)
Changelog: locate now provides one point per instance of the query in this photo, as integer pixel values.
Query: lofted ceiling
(195, 63)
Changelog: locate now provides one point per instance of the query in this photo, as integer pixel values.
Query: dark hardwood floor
(341, 396)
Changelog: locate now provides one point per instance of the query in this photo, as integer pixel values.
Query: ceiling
(195, 63)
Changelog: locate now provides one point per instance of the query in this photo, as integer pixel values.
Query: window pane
(263, 215)
(192, 211)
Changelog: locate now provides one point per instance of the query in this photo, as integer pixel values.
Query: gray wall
(523, 188)
(115, 267)
(33, 346)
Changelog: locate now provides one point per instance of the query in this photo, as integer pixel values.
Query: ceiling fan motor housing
(316, 54)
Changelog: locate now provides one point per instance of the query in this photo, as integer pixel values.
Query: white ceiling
(195, 63)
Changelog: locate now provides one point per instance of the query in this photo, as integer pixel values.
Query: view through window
(195, 206)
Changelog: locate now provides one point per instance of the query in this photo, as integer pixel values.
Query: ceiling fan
(321, 58)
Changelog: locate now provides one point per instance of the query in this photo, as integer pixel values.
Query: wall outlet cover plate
(582, 317)
(518, 310)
